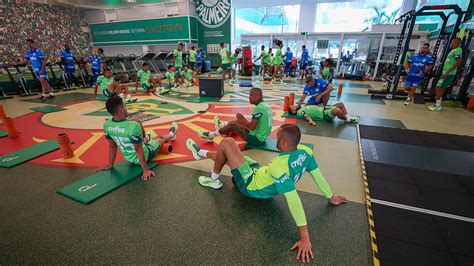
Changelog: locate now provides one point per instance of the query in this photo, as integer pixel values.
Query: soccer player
(136, 146)
(192, 58)
(417, 66)
(304, 62)
(199, 61)
(174, 81)
(96, 65)
(278, 178)
(255, 131)
(318, 90)
(278, 63)
(38, 62)
(68, 59)
(453, 60)
(327, 71)
(234, 60)
(288, 59)
(188, 75)
(146, 80)
(110, 87)
(178, 58)
(225, 66)
(316, 112)
(265, 56)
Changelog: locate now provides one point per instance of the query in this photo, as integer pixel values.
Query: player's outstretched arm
(147, 173)
(323, 185)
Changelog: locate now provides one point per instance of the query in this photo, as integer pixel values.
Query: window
(355, 16)
(274, 19)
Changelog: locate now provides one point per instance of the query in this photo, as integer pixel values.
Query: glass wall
(355, 16)
(463, 4)
(282, 19)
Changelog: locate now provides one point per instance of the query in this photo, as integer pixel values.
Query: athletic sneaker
(217, 122)
(133, 99)
(205, 135)
(434, 108)
(281, 82)
(407, 102)
(206, 181)
(355, 119)
(163, 91)
(174, 129)
(194, 148)
(43, 98)
(148, 135)
(51, 95)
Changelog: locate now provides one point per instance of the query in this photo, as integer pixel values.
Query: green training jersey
(104, 81)
(316, 112)
(125, 134)
(233, 59)
(144, 76)
(265, 57)
(192, 56)
(224, 55)
(326, 73)
(263, 113)
(278, 59)
(178, 58)
(451, 60)
(188, 74)
(169, 76)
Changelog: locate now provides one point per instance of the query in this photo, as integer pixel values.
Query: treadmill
(159, 61)
(147, 57)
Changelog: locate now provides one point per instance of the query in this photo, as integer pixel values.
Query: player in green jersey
(188, 76)
(225, 66)
(192, 58)
(178, 58)
(173, 81)
(265, 57)
(111, 87)
(278, 178)
(135, 145)
(278, 63)
(234, 58)
(255, 131)
(145, 78)
(322, 113)
(453, 61)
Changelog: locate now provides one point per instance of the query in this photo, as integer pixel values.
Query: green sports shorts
(445, 82)
(327, 113)
(225, 66)
(252, 140)
(153, 146)
(107, 93)
(178, 70)
(242, 175)
(147, 87)
(192, 64)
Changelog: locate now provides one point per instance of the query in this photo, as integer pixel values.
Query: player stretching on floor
(326, 113)
(254, 132)
(279, 177)
(135, 145)
(110, 87)
(146, 80)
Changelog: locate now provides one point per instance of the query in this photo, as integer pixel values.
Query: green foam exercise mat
(289, 115)
(3, 133)
(29, 153)
(97, 185)
(47, 109)
(203, 99)
(270, 145)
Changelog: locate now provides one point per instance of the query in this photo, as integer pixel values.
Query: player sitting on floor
(318, 91)
(111, 87)
(326, 113)
(135, 145)
(279, 177)
(254, 132)
(188, 75)
(173, 81)
(147, 81)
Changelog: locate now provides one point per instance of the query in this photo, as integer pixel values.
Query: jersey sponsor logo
(257, 116)
(213, 13)
(299, 161)
(116, 129)
(282, 179)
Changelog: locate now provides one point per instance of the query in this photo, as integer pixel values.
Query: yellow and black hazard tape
(368, 203)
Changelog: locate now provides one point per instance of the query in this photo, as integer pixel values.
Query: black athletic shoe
(43, 98)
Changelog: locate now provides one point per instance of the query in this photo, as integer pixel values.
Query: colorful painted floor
(172, 218)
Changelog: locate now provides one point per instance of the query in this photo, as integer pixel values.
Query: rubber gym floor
(410, 190)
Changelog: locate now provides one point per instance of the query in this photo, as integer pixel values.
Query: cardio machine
(18, 79)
